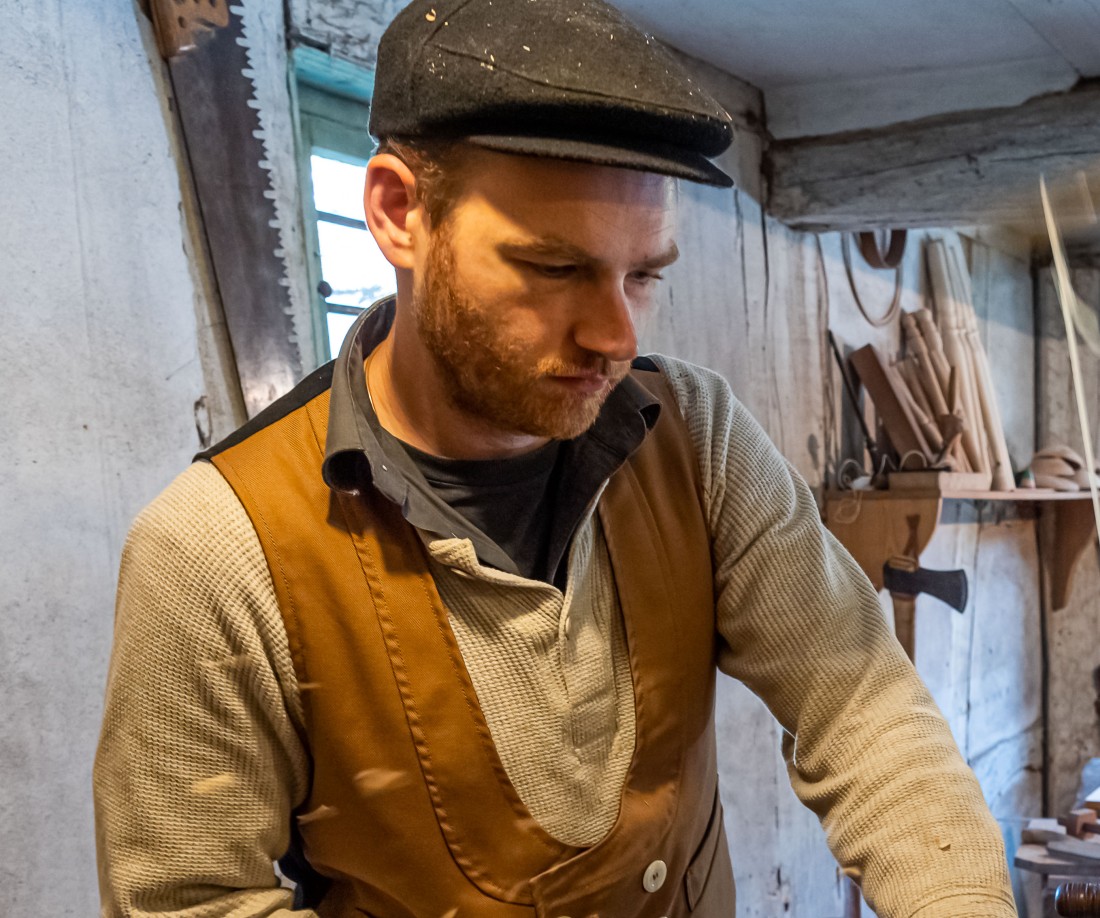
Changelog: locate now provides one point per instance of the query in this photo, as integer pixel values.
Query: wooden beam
(971, 168)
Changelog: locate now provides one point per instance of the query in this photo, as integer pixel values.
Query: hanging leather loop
(876, 257)
(895, 249)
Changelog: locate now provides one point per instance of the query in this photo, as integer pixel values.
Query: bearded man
(439, 629)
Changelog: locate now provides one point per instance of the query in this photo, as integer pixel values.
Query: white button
(654, 877)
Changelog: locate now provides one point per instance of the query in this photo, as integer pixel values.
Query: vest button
(654, 876)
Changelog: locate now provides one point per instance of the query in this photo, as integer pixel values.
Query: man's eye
(552, 270)
(647, 277)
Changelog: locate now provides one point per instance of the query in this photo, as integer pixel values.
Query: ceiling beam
(965, 169)
(1071, 27)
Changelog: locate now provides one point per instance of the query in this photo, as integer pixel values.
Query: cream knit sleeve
(199, 762)
(866, 747)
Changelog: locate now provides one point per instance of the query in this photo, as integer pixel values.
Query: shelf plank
(1037, 495)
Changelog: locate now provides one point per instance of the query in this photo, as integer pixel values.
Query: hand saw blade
(224, 143)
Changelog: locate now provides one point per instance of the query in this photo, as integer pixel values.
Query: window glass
(354, 272)
(337, 187)
(352, 266)
(338, 325)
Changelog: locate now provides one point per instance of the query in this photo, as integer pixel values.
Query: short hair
(439, 169)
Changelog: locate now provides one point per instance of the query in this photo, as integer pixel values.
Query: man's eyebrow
(663, 260)
(566, 251)
(546, 248)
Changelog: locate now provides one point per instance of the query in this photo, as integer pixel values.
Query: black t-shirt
(510, 500)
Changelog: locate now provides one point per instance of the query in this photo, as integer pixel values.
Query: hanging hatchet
(906, 579)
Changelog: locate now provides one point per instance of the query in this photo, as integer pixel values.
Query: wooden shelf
(1024, 495)
(876, 526)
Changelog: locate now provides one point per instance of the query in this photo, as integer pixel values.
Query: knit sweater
(202, 756)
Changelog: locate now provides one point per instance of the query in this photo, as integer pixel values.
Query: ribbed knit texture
(553, 678)
(200, 760)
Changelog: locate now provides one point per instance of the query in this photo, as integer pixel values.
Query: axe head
(947, 586)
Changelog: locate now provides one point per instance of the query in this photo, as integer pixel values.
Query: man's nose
(605, 324)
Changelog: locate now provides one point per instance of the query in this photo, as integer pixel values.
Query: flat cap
(569, 79)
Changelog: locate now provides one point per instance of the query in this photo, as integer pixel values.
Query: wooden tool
(909, 369)
(926, 322)
(1003, 479)
(906, 579)
(928, 375)
(957, 353)
(869, 443)
(924, 423)
(891, 405)
(1079, 822)
(1077, 900)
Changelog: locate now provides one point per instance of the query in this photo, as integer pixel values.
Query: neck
(412, 402)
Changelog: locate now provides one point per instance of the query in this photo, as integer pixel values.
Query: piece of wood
(1040, 836)
(965, 169)
(1075, 820)
(876, 526)
(890, 403)
(1004, 304)
(909, 369)
(958, 357)
(927, 427)
(905, 623)
(936, 377)
(1065, 535)
(944, 482)
(1038, 859)
(1003, 478)
(1077, 900)
(1076, 849)
(926, 323)
(180, 27)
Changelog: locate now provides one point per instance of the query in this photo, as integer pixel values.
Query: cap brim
(663, 159)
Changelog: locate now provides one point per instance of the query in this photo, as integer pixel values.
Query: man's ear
(394, 217)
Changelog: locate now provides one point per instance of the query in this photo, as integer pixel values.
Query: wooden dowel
(957, 357)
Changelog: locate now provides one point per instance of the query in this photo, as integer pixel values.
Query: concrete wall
(106, 337)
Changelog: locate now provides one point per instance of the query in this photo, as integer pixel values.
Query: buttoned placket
(582, 632)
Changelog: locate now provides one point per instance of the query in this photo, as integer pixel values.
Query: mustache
(589, 365)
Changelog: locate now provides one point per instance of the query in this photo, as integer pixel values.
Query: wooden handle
(179, 27)
(905, 623)
(1078, 900)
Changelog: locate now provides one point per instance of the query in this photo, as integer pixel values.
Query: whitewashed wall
(110, 345)
(105, 339)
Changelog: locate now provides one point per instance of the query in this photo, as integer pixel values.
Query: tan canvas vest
(410, 811)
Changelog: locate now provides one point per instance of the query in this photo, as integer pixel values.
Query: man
(441, 625)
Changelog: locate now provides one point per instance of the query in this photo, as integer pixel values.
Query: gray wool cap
(568, 79)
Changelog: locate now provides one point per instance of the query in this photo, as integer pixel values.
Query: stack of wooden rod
(983, 437)
(937, 403)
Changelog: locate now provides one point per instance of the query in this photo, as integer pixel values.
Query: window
(348, 271)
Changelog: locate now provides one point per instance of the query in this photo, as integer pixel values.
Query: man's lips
(586, 383)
